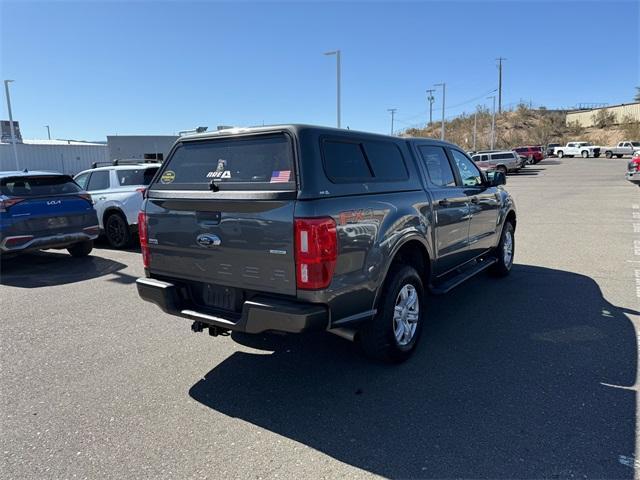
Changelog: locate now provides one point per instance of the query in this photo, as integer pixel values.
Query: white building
(66, 156)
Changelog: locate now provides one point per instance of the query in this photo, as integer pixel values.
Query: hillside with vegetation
(526, 126)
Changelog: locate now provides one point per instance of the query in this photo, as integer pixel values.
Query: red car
(633, 169)
(531, 153)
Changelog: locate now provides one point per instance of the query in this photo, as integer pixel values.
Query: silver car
(117, 191)
(505, 161)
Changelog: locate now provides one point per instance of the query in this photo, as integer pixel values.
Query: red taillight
(18, 240)
(87, 197)
(144, 239)
(316, 249)
(143, 191)
(8, 203)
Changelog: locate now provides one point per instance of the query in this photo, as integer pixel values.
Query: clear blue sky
(91, 69)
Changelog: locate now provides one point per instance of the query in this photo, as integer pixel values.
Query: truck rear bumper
(258, 314)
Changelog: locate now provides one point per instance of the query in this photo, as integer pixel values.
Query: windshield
(635, 144)
(28, 186)
(142, 176)
(249, 163)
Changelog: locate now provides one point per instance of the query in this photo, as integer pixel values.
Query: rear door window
(437, 165)
(142, 176)
(263, 162)
(99, 181)
(38, 186)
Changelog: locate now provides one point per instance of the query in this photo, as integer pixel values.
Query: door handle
(474, 199)
(444, 202)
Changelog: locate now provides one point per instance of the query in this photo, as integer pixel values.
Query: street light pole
(337, 54)
(493, 123)
(48, 131)
(393, 113)
(13, 132)
(431, 99)
(443, 85)
(500, 59)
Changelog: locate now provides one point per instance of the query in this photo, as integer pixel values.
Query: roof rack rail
(126, 161)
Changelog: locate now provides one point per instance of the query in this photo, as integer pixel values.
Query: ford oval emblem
(208, 240)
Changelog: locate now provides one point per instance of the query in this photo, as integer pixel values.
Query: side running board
(465, 274)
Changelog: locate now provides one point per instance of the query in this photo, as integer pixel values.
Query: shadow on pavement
(46, 268)
(509, 382)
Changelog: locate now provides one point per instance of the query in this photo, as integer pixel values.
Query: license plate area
(218, 297)
(57, 222)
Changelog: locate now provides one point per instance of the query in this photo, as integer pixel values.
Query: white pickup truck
(623, 148)
(572, 149)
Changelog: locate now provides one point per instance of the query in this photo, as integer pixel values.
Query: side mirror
(495, 178)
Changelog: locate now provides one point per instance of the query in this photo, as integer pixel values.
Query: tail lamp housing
(316, 252)
(144, 238)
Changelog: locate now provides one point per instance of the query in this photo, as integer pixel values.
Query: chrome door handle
(444, 203)
(474, 200)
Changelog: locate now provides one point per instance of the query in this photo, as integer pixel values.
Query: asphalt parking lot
(530, 376)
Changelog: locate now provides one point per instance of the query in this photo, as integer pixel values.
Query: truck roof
(298, 127)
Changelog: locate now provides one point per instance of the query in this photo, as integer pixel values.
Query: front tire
(503, 169)
(560, 154)
(505, 251)
(608, 154)
(80, 249)
(393, 333)
(585, 154)
(117, 231)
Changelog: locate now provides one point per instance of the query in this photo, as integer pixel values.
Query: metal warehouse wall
(69, 159)
(135, 146)
(585, 117)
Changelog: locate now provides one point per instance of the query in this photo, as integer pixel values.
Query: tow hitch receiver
(213, 330)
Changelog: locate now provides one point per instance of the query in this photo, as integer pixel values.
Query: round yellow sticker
(168, 176)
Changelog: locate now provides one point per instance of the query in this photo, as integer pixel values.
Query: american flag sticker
(280, 176)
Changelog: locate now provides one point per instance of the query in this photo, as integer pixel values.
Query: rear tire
(608, 154)
(81, 249)
(585, 154)
(560, 154)
(503, 169)
(393, 333)
(505, 251)
(117, 231)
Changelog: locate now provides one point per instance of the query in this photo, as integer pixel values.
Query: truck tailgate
(243, 244)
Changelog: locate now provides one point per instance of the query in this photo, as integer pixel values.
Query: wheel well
(414, 254)
(511, 217)
(110, 211)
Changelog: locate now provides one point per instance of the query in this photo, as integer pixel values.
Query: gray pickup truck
(294, 228)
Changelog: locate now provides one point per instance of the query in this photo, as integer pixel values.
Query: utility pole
(48, 131)
(393, 114)
(13, 132)
(443, 85)
(431, 99)
(493, 123)
(500, 59)
(475, 128)
(337, 54)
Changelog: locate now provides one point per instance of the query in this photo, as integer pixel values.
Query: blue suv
(40, 210)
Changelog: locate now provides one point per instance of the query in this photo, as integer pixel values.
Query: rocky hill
(525, 126)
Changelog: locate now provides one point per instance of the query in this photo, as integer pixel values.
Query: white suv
(117, 191)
